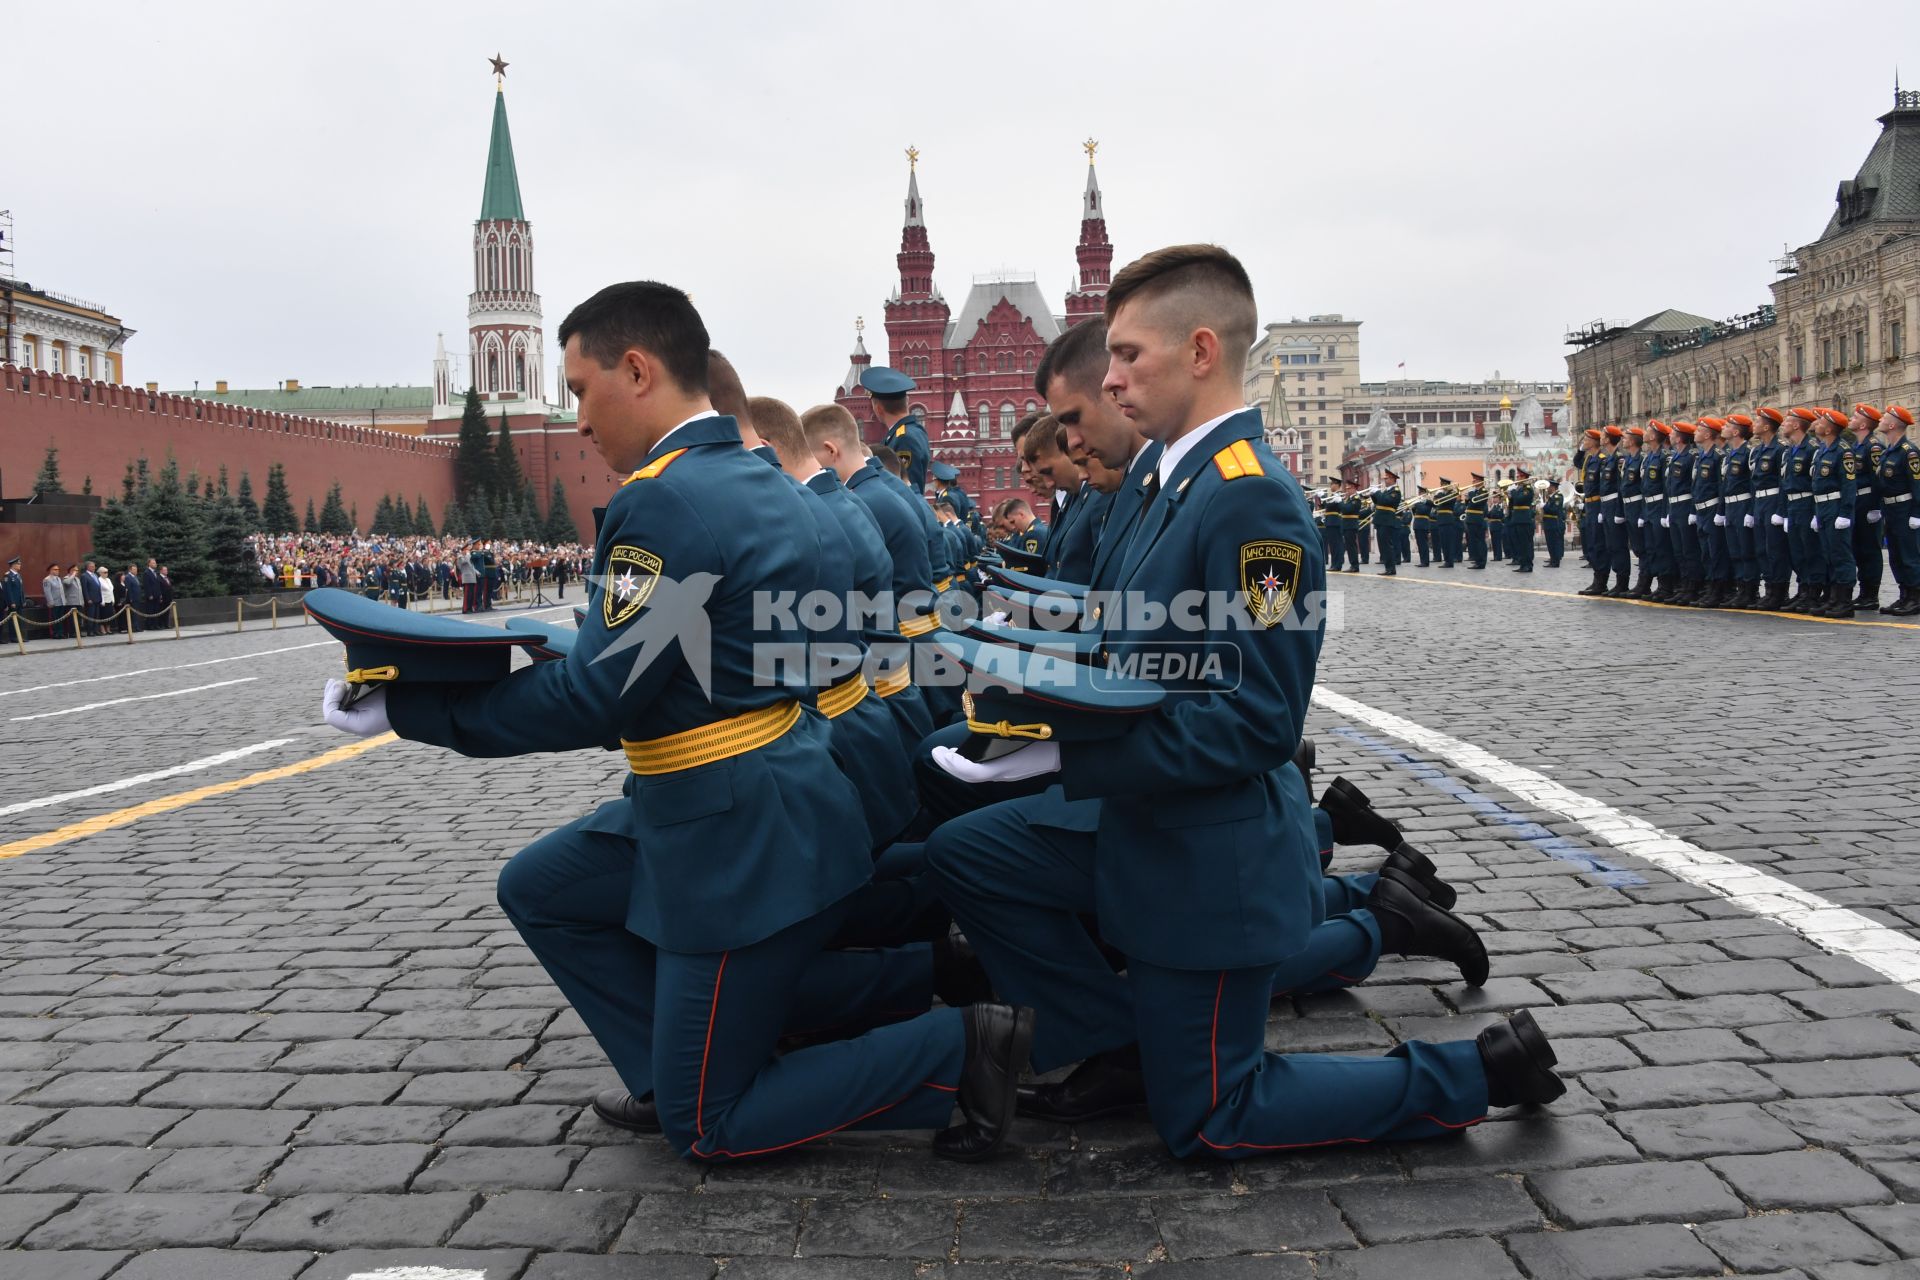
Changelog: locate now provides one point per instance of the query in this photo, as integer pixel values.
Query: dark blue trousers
(1019, 890)
(1555, 532)
(1836, 546)
(1619, 556)
(1770, 542)
(1520, 542)
(1336, 536)
(698, 1031)
(1420, 534)
(1803, 542)
(1903, 543)
(1867, 562)
(1477, 542)
(1742, 564)
(1714, 565)
(1686, 540)
(1659, 542)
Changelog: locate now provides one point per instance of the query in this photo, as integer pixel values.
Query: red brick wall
(99, 428)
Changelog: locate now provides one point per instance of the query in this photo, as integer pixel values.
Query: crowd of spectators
(93, 595)
(402, 570)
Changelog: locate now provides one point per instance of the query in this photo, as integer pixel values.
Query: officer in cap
(900, 431)
(1476, 520)
(1520, 520)
(13, 592)
(1386, 513)
(1898, 480)
(950, 491)
(1553, 523)
(1422, 509)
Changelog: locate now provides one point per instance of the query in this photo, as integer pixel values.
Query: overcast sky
(266, 192)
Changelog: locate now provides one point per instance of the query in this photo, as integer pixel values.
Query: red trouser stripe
(798, 1142)
(713, 1011)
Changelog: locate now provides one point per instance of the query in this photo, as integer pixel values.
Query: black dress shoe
(1355, 820)
(1107, 1084)
(624, 1111)
(999, 1038)
(1410, 861)
(1519, 1063)
(959, 979)
(1410, 925)
(1303, 761)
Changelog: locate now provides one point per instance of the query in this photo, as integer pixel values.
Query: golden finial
(1090, 146)
(913, 157)
(1276, 364)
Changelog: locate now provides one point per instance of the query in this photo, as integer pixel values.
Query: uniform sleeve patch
(632, 574)
(1270, 575)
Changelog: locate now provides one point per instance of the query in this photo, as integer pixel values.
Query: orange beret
(1740, 420)
(1804, 414)
(1638, 433)
(1771, 414)
(1684, 428)
(1613, 432)
(1593, 433)
(1836, 417)
(1713, 424)
(1662, 428)
(1901, 412)
(1872, 413)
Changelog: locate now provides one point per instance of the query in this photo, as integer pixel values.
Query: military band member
(1386, 512)
(1553, 523)
(1422, 531)
(1474, 520)
(1520, 495)
(1867, 511)
(1898, 482)
(1496, 522)
(1834, 486)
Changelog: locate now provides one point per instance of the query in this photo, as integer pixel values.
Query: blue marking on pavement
(1608, 873)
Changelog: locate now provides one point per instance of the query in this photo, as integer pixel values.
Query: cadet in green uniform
(1422, 510)
(1475, 520)
(1553, 523)
(1386, 513)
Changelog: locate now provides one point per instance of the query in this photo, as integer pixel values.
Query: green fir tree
(560, 528)
(507, 479)
(312, 525)
(276, 513)
(422, 517)
(176, 534)
(249, 509)
(228, 551)
(383, 517)
(47, 483)
(472, 454)
(333, 513)
(118, 539)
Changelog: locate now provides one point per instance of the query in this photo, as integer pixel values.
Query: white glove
(1816, 524)
(1692, 519)
(1619, 519)
(1719, 521)
(1779, 519)
(998, 619)
(1842, 522)
(1641, 523)
(364, 718)
(1748, 521)
(1873, 517)
(1665, 523)
(1913, 522)
(1027, 762)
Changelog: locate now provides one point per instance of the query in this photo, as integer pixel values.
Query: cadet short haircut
(941, 504)
(724, 388)
(655, 318)
(1021, 428)
(1044, 438)
(1013, 506)
(1077, 357)
(891, 461)
(892, 404)
(1202, 286)
(831, 422)
(779, 426)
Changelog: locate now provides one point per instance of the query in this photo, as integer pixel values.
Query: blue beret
(883, 381)
(1026, 695)
(384, 643)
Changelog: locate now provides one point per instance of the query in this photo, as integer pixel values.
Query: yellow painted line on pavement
(181, 799)
(1644, 604)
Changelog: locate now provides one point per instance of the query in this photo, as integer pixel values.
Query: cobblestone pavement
(284, 1031)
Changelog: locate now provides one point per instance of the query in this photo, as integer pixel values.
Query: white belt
(1826, 497)
(1634, 498)
(1701, 504)
(1890, 501)
(1766, 493)
(1737, 497)
(1796, 497)
(1656, 497)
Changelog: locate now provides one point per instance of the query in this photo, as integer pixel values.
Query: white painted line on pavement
(191, 766)
(419, 1273)
(178, 666)
(138, 697)
(1826, 924)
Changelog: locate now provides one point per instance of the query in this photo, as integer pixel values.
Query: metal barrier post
(128, 610)
(239, 621)
(174, 609)
(273, 614)
(18, 638)
(74, 614)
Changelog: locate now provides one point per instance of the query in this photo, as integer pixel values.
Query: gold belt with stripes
(843, 697)
(914, 627)
(710, 743)
(887, 686)
(944, 583)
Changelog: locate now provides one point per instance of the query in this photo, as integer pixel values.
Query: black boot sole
(1021, 1052)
